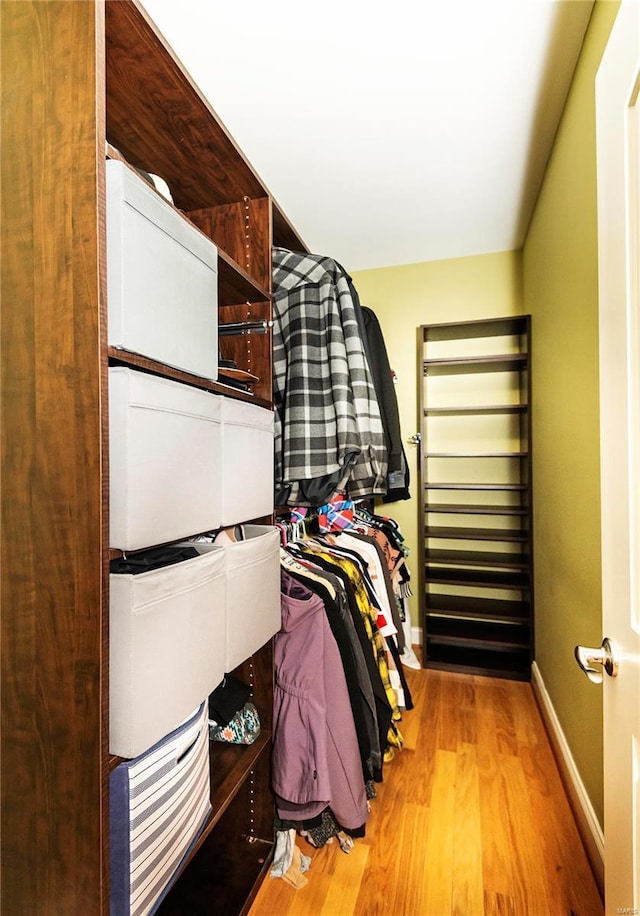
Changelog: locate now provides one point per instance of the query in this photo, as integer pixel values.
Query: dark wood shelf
(478, 578)
(475, 534)
(235, 286)
(135, 360)
(508, 362)
(477, 454)
(284, 234)
(515, 666)
(160, 121)
(474, 509)
(112, 86)
(460, 411)
(484, 642)
(476, 558)
(224, 870)
(448, 485)
(477, 328)
(493, 608)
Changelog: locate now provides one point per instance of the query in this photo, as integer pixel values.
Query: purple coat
(316, 761)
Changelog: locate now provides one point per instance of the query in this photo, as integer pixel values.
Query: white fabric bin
(247, 461)
(253, 592)
(166, 647)
(162, 278)
(165, 463)
(158, 805)
(252, 571)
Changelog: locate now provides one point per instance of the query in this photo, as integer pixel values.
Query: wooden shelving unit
(476, 486)
(91, 80)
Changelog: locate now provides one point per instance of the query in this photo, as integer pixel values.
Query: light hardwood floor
(471, 819)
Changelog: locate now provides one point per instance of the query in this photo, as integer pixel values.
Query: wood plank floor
(471, 819)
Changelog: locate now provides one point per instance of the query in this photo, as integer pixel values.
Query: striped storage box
(159, 803)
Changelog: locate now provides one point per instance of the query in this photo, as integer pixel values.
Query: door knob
(594, 661)
(416, 439)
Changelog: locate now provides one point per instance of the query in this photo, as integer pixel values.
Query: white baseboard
(588, 825)
(416, 636)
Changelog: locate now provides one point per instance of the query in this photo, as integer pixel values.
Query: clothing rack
(234, 328)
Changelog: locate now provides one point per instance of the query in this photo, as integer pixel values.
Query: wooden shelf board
(461, 365)
(229, 765)
(475, 534)
(463, 642)
(508, 611)
(479, 410)
(446, 485)
(224, 875)
(523, 674)
(476, 454)
(159, 120)
(135, 360)
(473, 509)
(235, 286)
(482, 558)
(476, 577)
(483, 327)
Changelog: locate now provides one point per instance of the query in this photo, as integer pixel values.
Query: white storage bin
(253, 592)
(166, 647)
(247, 461)
(252, 570)
(162, 278)
(158, 805)
(165, 463)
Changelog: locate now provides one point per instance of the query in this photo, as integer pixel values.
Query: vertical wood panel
(51, 461)
(243, 231)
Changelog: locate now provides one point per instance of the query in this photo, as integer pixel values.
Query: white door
(618, 164)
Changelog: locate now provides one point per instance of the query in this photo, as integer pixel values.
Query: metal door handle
(594, 661)
(416, 439)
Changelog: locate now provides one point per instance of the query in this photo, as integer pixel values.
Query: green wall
(561, 291)
(555, 279)
(405, 297)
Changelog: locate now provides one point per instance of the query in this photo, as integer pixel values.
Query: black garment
(381, 372)
(393, 649)
(154, 558)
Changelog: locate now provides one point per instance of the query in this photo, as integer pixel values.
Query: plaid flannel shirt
(328, 427)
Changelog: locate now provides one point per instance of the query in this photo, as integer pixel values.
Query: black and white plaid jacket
(329, 435)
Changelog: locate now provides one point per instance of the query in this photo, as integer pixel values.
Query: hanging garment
(367, 547)
(331, 591)
(371, 570)
(383, 380)
(328, 429)
(384, 712)
(315, 758)
(368, 615)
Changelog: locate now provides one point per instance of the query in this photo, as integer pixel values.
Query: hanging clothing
(383, 380)
(316, 762)
(330, 588)
(328, 429)
(368, 615)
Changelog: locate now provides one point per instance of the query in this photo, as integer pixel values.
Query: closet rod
(244, 327)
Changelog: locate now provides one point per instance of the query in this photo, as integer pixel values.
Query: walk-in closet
(268, 631)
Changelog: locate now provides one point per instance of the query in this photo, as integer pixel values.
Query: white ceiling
(389, 133)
